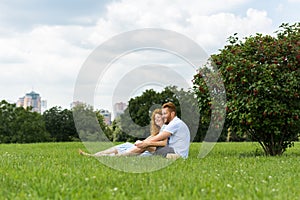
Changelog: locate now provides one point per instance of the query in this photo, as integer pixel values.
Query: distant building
(31, 99)
(44, 105)
(119, 108)
(106, 115)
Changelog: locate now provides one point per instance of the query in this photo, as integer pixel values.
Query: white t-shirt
(180, 137)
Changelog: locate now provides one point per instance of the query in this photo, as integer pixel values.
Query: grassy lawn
(230, 171)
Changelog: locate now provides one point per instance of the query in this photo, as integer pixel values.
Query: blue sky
(44, 43)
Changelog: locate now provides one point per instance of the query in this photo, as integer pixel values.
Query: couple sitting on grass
(170, 138)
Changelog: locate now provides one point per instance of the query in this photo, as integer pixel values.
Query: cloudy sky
(45, 43)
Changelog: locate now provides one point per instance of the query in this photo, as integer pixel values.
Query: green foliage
(29, 127)
(104, 127)
(7, 116)
(90, 124)
(136, 118)
(118, 135)
(211, 99)
(135, 121)
(261, 75)
(60, 124)
(18, 125)
(230, 171)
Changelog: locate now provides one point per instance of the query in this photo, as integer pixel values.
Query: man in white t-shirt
(177, 132)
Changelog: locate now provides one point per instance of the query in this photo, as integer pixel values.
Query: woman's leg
(111, 150)
(105, 152)
(84, 153)
(132, 151)
(118, 149)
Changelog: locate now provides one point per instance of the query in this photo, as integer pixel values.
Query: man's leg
(163, 151)
(115, 150)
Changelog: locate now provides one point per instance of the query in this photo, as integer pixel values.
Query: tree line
(259, 76)
(19, 125)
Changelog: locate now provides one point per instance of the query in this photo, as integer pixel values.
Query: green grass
(230, 171)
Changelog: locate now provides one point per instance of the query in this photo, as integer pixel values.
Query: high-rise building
(119, 108)
(31, 99)
(106, 115)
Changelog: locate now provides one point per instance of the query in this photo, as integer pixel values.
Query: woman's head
(156, 121)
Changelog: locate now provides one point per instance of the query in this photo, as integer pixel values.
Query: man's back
(180, 137)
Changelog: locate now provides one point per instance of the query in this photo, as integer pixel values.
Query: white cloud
(212, 31)
(45, 59)
(49, 57)
(206, 22)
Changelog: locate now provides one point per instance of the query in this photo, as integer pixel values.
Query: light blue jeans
(121, 148)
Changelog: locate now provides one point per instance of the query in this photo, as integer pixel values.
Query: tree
(261, 75)
(118, 135)
(90, 124)
(135, 121)
(104, 127)
(19, 125)
(60, 124)
(6, 119)
(28, 127)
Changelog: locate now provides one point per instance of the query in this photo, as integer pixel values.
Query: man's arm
(161, 136)
(152, 147)
(155, 141)
(161, 143)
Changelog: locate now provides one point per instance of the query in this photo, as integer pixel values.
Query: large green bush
(261, 75)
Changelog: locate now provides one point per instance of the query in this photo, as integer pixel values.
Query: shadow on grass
(256, 153)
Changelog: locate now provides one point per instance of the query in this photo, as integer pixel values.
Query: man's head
(169, 112)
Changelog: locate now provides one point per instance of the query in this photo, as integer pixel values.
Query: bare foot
(81, 152)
